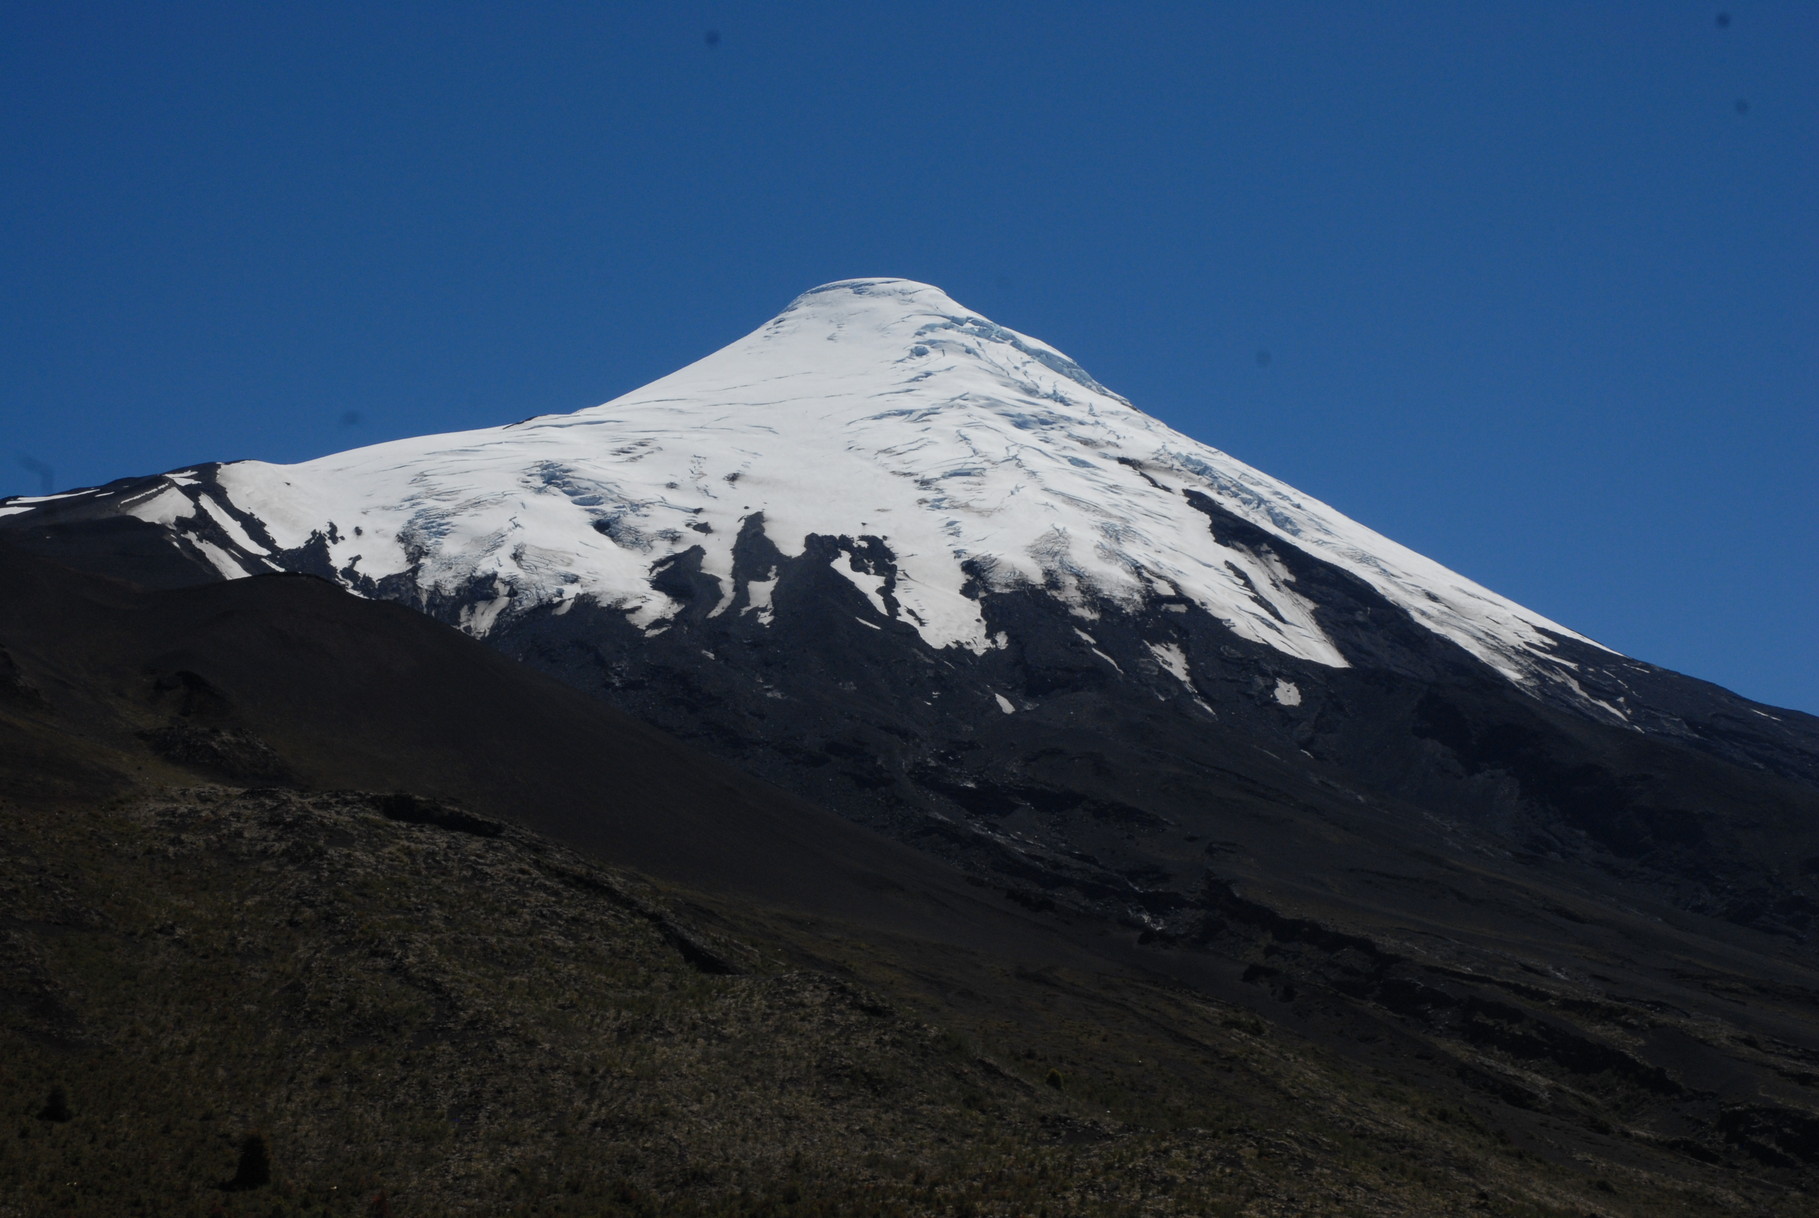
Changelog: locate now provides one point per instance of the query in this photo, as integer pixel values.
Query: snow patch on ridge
(1173, 661)
(221, 559)
(230, 526)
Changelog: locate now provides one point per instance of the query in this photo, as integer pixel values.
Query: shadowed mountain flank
(1549, 1026)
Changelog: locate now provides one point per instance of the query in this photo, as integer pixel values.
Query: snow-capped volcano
(926, 571)
(876, 410)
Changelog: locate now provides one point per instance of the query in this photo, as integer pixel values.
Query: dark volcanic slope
(1076, 764)
(291, 681)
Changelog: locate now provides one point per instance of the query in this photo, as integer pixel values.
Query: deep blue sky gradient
(1529, 287)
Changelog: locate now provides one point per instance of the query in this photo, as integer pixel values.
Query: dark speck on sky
(1743, 107)
(712, 38)
(350, 418)
(1263, 357)
(1724, 19)
(46, 474)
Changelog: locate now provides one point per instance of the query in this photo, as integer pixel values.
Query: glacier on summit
(979, 458)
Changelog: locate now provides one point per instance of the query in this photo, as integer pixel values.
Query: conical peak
(880, 408)
(884, 304)
(903, 318)
(921, 296)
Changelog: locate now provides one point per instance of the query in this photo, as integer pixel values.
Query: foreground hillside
(267, 1003)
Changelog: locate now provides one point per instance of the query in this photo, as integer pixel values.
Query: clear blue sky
(1537, 283)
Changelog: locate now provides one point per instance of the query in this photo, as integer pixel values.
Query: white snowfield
(869, 407)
